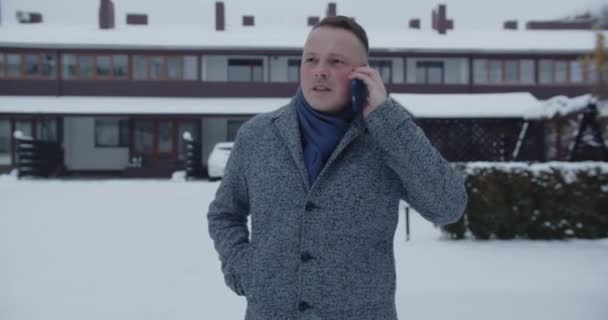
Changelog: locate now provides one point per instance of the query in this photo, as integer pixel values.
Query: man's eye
(336, 61)
(309, 60)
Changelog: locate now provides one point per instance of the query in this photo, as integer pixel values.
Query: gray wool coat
(325, 251)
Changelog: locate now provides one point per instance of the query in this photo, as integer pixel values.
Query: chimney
(106, 14)
(510, 25)
(331, 9)
(559, 25)
(414, 23)
(220, 23)
(248, 21)
(312, 21)
(137, 19)
(440, 21)
(29, 17)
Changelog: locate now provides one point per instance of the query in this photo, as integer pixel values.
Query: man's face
(329, 56)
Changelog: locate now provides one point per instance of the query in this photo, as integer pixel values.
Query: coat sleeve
(428, 182)
(227, 219)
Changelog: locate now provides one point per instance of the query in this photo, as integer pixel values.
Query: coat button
(303, 306)
(306, 256)
(310, 206)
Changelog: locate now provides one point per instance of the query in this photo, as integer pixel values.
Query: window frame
(426, 65)
(122, 124)
(250, 64)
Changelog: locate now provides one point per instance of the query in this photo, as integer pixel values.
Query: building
(109, 91)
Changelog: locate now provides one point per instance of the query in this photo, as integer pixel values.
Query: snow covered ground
(140, 250)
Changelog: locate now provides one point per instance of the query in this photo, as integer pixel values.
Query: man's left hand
(375, 86)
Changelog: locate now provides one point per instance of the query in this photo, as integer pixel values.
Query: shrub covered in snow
(553, 200)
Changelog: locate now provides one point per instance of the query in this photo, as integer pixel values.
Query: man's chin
(324, 108)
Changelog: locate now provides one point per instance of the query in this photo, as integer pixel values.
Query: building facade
(105, 66)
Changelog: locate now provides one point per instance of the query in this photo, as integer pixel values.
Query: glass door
(154, 141)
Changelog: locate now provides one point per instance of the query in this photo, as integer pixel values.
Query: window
(429, 72)
(46, 129)
(111, 133)
(495, 71)
(527, 71)
(488, 71)
(512, 71)
(384, 67)
(98, 67)
(576, 71)
(293, 70)
(174, 65)
(159, 68)
(31, 65)
(245, 70)
(140, 72)
(27, 65)
(25, 126)
(48, 65)
(480, 71)
(190, 68)
(165, 136)
(560, 71)
(1, 65)
(5, 142)
(233, 127)
(85, 66)
(104, 66)
(120, 66)
(144, 136)
(156, 67)
(13, 62)
(69, 66)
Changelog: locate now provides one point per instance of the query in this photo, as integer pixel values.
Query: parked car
(218, 159)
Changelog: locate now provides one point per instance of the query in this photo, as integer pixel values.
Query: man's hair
(346, 23)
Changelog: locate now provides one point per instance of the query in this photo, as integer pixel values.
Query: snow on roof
(378, 13)
(484, 105)
(292, 38)
(137, 105)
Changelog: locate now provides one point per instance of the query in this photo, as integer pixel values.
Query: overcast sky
(486, 14)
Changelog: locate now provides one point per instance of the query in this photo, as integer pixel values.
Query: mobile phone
(359, 94)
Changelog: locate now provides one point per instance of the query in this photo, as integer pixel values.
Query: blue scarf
(321, 133)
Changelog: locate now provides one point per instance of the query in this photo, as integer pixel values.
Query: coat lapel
(356, 127)
(288, 126)
(289, 129)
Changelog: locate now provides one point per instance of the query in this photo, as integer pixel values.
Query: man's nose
(320, 71)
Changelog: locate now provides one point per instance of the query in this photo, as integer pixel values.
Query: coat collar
(287, 124)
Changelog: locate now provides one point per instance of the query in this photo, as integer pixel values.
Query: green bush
(535, 201)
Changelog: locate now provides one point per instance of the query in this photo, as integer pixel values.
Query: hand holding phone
(359, 94)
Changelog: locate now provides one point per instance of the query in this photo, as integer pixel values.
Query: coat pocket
(238, 278)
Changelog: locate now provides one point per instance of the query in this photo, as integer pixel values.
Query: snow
(381, 13)
(292, 38)
(140, 249)
(562, 105)
(190, 24)
(187, 136)
(137, 105)
(567, 169)
(178, 176)
(485, 105)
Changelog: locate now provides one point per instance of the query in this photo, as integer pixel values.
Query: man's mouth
(321, 89)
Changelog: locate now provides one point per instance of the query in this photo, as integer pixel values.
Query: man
(322, 186)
